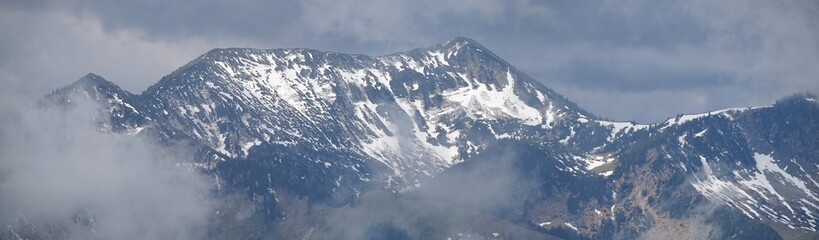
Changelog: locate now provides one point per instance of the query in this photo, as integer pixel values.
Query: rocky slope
(455, 124)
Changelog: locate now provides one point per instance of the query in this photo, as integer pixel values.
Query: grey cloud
(658, 105)
(57, 171)
(168, 20)
(758, 51)
(392, 21)
(44, 50)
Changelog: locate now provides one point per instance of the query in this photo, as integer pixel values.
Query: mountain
(309, 137)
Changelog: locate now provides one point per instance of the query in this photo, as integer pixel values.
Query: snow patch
(246, 146)
(571, 226)
(690, 117)
(618, 127)
(484, 103)
(701, 133)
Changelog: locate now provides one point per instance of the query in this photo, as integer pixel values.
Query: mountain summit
(456, 124)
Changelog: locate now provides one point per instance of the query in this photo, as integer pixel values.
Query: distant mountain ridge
(333, 126)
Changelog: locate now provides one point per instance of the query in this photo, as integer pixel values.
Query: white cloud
(56, 166)
(48, 49)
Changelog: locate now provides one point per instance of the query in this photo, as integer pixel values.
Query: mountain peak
(451, 47)
(462, 41)
(92, 81)
(459, 43)
(90, 85)
(90, 78)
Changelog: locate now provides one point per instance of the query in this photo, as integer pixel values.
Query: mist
(63, 177)
(476, 199)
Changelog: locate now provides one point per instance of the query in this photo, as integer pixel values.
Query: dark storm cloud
(611, 56)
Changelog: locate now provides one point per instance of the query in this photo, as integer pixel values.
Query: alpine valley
(452, 142)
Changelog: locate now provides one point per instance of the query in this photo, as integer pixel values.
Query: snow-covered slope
(331, 126)
(770, 175)
(759, 161)
(410, 111)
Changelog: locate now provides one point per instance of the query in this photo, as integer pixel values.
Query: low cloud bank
(61, 177)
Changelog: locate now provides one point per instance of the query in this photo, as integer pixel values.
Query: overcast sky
(641, 60)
